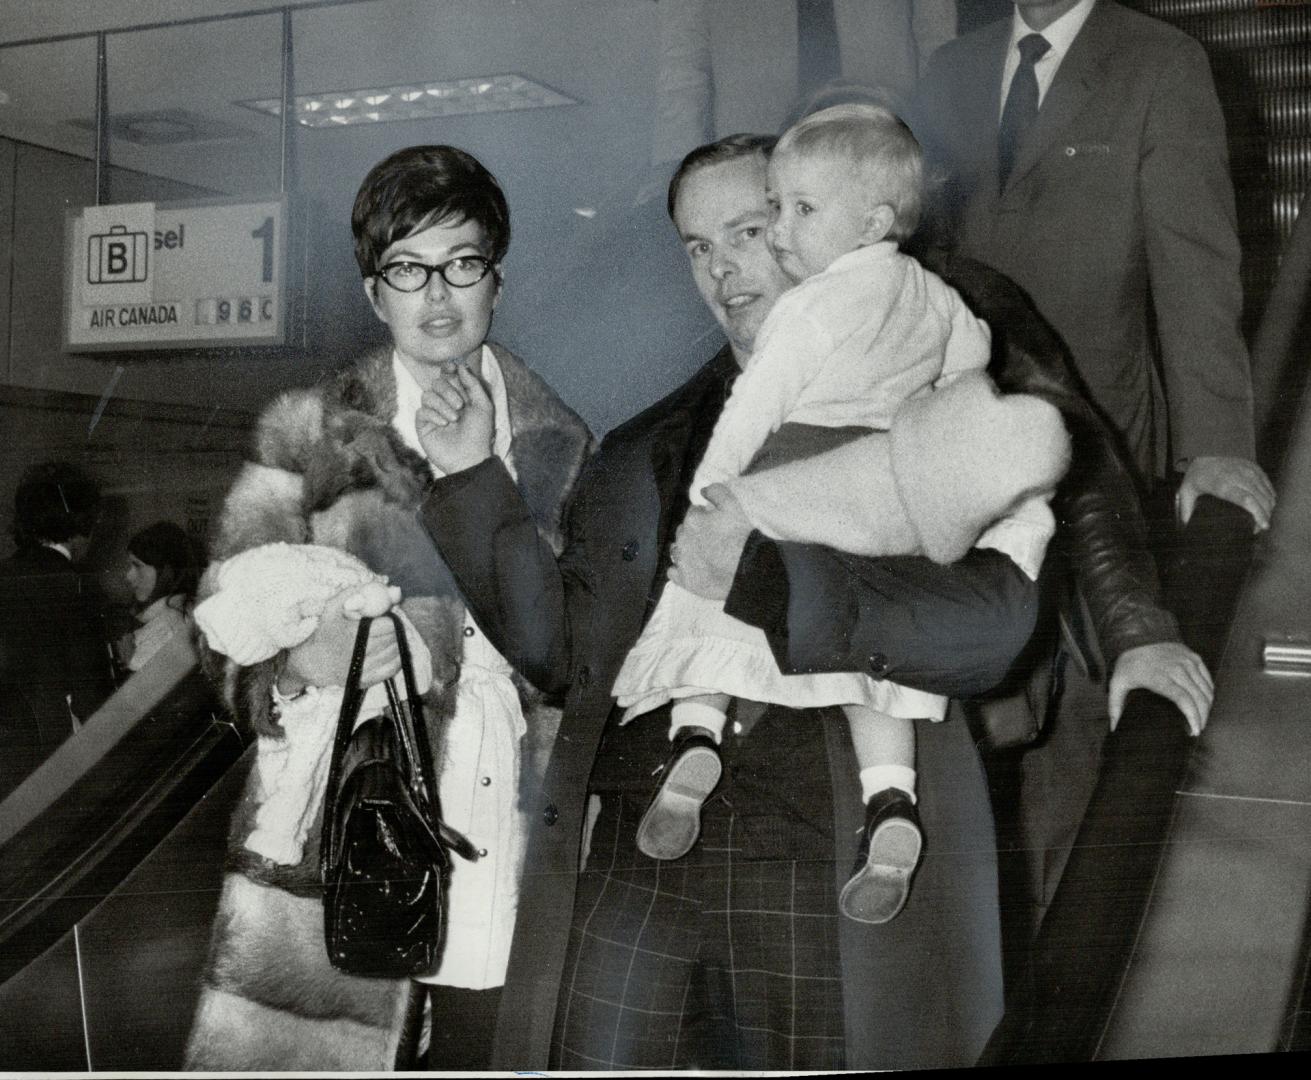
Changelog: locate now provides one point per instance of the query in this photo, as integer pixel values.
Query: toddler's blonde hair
(878, 145)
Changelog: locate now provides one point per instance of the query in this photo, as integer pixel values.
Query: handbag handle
(411, 740)
(351, 700)
(410, 724)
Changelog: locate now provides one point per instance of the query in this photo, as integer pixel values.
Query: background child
(163, 570)
(868, 330)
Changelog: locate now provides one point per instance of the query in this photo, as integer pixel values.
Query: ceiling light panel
(416, 101)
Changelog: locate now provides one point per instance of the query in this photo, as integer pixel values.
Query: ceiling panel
(602, 53)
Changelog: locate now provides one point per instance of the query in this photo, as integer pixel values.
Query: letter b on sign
(117, 257)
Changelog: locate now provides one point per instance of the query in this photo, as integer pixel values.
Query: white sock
(876, 778)
(688, 713)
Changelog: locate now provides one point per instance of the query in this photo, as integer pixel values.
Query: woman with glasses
(341, 466)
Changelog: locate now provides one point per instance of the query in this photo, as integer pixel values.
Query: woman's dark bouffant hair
(422, 186)
(174, 556)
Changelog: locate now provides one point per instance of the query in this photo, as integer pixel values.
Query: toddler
(866, 331)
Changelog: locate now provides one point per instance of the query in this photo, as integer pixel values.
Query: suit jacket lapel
(1081, 72)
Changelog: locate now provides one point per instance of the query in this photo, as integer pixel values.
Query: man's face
(439, 322)
(817, 212)
(721, 216)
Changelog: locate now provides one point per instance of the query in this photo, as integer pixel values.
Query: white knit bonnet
(270, 597)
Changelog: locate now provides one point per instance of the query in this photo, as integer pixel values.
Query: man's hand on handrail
(1235, 480)
(1168, 668)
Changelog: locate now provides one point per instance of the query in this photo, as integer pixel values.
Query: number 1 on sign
(265, 233)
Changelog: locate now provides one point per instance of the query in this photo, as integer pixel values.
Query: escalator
(102, 923)
(1180, 924)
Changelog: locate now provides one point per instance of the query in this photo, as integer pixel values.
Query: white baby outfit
(846, 347)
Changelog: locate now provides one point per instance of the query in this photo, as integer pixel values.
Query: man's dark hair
(55, 502)
(422, 186)
(171, 552)
(729, 148)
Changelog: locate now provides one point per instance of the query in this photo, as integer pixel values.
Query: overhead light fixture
(416, 101)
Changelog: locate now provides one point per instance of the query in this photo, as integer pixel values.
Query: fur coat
(328, 468)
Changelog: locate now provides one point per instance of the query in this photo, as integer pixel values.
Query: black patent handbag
(384, 852)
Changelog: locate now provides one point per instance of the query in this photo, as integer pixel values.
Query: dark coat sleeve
(525, 599)
(952, 630)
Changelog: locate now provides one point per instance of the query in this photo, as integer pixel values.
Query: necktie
(1021, 104)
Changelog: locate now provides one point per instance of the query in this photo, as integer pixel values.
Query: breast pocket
(1089, 169)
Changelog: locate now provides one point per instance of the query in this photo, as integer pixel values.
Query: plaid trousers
(726, 958)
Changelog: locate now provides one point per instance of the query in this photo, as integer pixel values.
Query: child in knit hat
(270, 598)
(862, 342)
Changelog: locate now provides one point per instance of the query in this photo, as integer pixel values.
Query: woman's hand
(1168, 668)
(456, 421)
(324, 658)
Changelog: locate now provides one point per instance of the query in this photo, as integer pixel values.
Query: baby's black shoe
(672, 822)
(889, 852)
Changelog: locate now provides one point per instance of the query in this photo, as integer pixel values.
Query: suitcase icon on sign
(117, 257)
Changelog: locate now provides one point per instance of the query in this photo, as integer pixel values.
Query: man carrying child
(733, 956)
(866, 331)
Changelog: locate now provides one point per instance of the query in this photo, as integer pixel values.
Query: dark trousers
(728, 957)
(463, 1022)
(1040, 795)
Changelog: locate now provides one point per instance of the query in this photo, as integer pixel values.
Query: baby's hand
(369, 601)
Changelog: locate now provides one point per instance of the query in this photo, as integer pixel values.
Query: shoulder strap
(350, 710)
(410, 726)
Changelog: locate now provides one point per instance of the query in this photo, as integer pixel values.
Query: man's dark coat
(54, 657)
(924, 990)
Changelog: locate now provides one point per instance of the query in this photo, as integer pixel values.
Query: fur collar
(339, 437)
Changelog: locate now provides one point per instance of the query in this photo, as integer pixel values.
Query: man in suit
(733, 956)
(54, 653)
(1084, 152)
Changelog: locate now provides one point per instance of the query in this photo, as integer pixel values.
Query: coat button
(630, 550)
(878, 664)
(482, 853)
(584, 676)
(550, 815)
(486, 781)
(468, 631)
